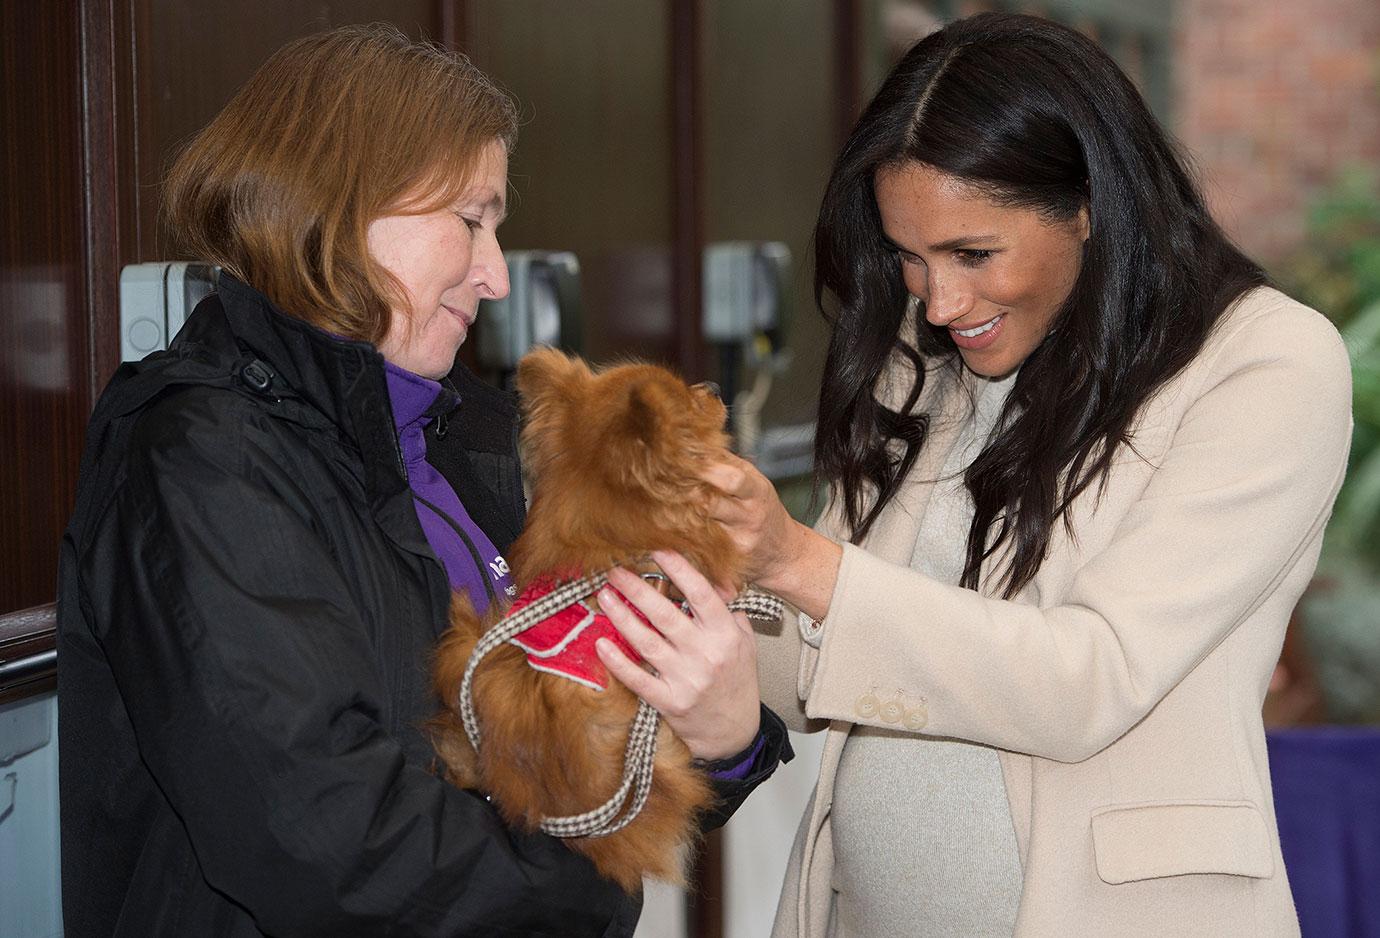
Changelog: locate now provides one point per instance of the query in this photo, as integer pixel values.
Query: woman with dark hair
(271, 520)
(1080, 457)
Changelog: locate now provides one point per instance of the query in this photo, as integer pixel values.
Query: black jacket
(247, 604)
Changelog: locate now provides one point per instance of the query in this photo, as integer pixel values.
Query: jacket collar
(344, 379)
(343, 382)
(341, 379)
(334, 375)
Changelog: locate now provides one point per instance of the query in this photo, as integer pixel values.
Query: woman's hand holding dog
(705, 680)
(783, 556)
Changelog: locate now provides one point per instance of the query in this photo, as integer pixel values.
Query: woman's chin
(440, 369)
(441, 363)
(989, 366)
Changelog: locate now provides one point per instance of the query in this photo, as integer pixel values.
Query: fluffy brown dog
(613, 458)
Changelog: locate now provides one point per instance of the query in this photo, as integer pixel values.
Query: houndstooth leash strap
(640, 754)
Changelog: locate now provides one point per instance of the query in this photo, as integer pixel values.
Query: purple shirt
(473, 565)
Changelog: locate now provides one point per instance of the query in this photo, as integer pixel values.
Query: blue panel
(30, 901)
(1327, 801)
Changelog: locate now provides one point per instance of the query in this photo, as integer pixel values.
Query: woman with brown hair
(271, 520)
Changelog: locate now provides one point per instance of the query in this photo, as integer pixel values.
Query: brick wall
(1274, 98)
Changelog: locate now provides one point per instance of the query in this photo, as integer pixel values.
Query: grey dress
(923, 838)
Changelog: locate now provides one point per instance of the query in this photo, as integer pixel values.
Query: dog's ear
(645, 445)
(547, 371)
(641, 416)
(549, 384)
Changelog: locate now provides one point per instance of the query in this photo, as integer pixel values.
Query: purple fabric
(742, 769)
(412, 396)
(1327, 803)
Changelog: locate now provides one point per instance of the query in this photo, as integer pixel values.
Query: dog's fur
(613, 458)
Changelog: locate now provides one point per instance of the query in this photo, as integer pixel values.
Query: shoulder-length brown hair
(332, 132)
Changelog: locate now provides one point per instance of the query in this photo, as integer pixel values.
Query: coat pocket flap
(1148, 841)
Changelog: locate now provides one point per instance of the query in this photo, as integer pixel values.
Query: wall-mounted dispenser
(156, 299)
(542, 308)
(747, 290)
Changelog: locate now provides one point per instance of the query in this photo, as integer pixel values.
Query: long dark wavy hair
(1034, 115)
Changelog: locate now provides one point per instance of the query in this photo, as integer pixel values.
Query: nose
(944, 299)
(488, 270)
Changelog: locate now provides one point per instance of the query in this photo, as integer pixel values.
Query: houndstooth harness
(640, 753)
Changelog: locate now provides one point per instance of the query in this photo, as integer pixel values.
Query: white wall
(757, 841)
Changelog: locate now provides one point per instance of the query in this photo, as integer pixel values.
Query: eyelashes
(973, 257)
(968, 257)
(473, 224)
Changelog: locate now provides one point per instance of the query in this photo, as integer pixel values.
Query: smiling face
(447, 260)
(993, 275)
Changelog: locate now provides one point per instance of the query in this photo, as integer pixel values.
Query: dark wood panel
(44, 351)
(704, 904)
(190, 58)
(595, 163)
(687, 185)
(704, 908)
(108, 122)
(847, 66)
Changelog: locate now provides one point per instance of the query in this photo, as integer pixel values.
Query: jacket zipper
(469, 544)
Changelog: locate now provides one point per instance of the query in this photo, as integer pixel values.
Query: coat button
(867, 706)
(891, 711)
(916, 717)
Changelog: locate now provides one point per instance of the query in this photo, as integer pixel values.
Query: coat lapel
(893, 536)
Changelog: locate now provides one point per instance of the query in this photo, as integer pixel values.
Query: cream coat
(1123, 686)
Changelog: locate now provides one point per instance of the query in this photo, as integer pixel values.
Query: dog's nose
(712, 388)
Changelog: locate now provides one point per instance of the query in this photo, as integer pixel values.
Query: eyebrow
(891, 245)
(963, 241)
(494, 201)
(499, 205)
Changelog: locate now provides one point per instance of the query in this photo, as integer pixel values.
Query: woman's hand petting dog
(782, 555)
(751, 513)
(705, 680)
